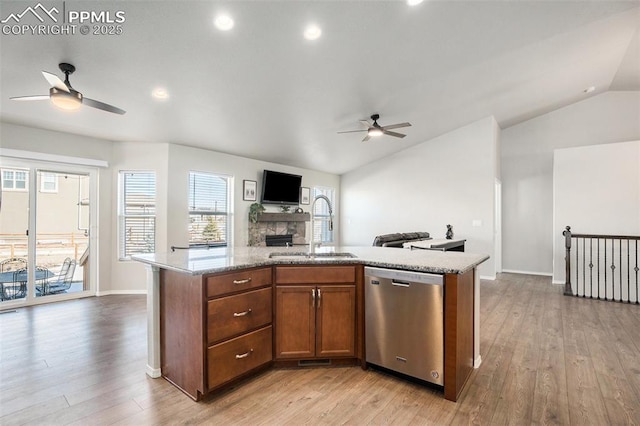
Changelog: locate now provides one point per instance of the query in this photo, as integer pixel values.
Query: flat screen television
(280, 188)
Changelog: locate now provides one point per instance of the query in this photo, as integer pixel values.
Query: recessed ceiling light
(589, 89)
(160, 93)
(414, 2)
(223, 22)
(312, 32)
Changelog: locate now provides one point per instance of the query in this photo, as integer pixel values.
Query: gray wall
(527, 170)
(446, 180)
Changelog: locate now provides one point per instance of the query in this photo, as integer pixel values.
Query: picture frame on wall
(249, 190)
(305, 195)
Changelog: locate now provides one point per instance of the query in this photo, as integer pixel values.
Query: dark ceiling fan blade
(55, 81)
(354, 131)
(395, 134)
(31, 98)
(397, 126)
(101, 105)
(366, 138)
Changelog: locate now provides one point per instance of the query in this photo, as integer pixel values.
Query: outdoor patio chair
(18, 288)
(13, 264)
(63, 280)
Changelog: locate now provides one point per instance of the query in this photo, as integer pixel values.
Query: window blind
(208, 208)
(137, 213)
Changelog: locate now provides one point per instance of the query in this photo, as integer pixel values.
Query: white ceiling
(262, 91)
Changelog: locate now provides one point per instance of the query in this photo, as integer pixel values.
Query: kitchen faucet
(312, 245)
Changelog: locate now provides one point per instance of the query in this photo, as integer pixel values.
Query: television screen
(280, 188)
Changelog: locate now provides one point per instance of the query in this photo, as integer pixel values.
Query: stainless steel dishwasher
(404, 322)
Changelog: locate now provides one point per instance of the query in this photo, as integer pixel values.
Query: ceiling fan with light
(374, 129)
(66, 97)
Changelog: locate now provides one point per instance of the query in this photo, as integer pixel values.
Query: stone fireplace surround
(279, 224)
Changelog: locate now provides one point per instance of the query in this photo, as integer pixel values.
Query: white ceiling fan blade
(101, 105)
(30, 98)
(366, 138)
(395, 134)
(354, 131)
(397, 126)
(366, 123)
(55, 81)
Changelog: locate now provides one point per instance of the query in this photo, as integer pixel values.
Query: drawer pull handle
(244, 355)
(246, 280)
(241, 314)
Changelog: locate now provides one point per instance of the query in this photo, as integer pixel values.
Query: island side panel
(182, 331)
(458, 332)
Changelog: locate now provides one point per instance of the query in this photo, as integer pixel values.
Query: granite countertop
(221, 259)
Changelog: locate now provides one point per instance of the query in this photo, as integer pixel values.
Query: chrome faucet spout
(312, 246)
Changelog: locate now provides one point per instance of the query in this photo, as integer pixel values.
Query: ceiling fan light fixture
(223, 22)
(312, 32)
(65, 100)
(414, 2)
(374, 132)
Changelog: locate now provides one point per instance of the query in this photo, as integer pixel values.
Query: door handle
(319, 298)
(313, 297)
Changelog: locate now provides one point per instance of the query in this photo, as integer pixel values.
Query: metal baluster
(577, 270)
(605, 269)
(584, 282)
(637, 269)
(598, 266)
(591, 264)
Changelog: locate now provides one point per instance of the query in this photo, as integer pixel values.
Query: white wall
(446, 180)
(596, 191)
(527, 170)
(130, 276)
(13, 136)
(183, 159)
(171, 164)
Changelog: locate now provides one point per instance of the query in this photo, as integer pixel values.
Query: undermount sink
(314, 256)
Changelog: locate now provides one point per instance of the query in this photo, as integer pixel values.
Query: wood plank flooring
(547, 359)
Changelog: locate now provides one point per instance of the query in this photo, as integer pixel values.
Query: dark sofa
(398, 239)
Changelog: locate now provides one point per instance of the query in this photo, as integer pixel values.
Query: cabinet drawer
(234, 357)
(315, 274)
(233, 315)
(220, 284)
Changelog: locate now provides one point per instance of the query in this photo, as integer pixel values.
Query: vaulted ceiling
(261, 90)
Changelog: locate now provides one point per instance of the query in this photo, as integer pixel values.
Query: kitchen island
(191, 292)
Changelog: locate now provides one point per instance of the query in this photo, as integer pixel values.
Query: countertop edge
(350, 261)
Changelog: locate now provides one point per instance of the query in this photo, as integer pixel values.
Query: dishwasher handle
(399, 283)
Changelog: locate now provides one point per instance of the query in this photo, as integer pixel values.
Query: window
(208, 209)
(48, 182)
(321, 230)
(137, 213)
(15, 180)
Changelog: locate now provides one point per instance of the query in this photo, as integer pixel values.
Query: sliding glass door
(45, 222)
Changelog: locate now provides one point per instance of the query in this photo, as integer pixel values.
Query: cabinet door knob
(241, 314)
(246, 280)
(244, 355)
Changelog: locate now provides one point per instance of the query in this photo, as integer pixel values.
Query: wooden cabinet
(315, 312)
(214, 328)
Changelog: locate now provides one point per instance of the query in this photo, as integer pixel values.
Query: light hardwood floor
(547, 359)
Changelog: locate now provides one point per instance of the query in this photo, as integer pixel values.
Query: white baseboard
(556, 282)
(477, 362)
(110, 292)
(489, 278)
(515, 271)
(153, 372)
